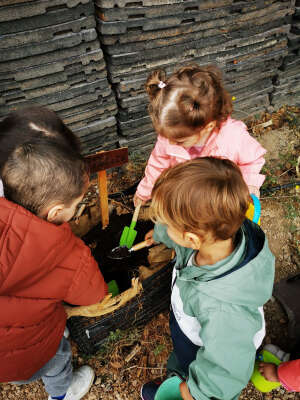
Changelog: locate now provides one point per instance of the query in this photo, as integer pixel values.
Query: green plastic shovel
(129, 233)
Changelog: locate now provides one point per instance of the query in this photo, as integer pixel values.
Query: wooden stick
(103, 197)
(136, 212)
(140, 245)
(100, 162)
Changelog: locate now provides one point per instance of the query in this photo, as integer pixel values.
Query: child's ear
(194, 240)
(54, 212)
(210, 126)
(207, 130)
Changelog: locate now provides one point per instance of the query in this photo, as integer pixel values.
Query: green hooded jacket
(220, 309)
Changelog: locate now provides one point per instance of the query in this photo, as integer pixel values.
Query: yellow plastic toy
(253, 212)
(257, 379)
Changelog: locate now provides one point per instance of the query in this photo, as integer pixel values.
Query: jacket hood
(26, 239)
(248, 283)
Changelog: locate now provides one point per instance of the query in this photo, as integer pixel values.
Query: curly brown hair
(202, 195)
(192, 97)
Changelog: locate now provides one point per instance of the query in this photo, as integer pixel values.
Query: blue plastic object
(257, 209)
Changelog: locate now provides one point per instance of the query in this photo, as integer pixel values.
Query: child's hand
(269, 371)
(254, 190)
(149, 237)
(137, 201)
(184, 391)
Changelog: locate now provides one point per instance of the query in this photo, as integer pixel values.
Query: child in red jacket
(42, 263)
(287, 373)
(31, 122)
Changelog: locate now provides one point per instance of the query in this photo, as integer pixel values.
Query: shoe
(148, 390)
(277, 352)
(82, 381)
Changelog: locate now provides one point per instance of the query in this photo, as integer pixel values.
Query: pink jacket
(232, 141)
(289, 375)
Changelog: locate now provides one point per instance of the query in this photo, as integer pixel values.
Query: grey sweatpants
(57, 373)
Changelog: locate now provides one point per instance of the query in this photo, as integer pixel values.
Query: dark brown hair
(42, 172)
(22, 125)
(202, 195)
(193, 97)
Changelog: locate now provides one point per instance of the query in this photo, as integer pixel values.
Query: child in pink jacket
(190, 112)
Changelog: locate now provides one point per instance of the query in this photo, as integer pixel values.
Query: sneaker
(277, 352)
(82, 381)
(148, 391)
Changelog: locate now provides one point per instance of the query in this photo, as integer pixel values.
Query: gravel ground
(146, 350)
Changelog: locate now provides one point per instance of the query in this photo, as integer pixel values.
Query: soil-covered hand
(269, 371)
(149, 238)
(184, 391)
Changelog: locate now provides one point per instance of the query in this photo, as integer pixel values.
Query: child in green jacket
(223, 275)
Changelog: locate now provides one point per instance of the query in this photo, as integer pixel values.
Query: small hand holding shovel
(129, 233)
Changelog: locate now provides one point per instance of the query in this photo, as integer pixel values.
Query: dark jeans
(184, 352)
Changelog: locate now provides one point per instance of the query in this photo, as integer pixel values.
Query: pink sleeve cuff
(253, 179)
(289, 375)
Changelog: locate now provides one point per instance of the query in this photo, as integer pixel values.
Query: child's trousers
(57, 373)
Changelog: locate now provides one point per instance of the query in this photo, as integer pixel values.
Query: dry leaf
(116, 364)
(146, 272)
(159, 254)
(108, 304)
(133, 353)
(146, 333)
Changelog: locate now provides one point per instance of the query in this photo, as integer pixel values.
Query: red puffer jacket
(41, 264)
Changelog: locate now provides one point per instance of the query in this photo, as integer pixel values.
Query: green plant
(293, 119)
(115, 336)
(158, 349)
(291, 211)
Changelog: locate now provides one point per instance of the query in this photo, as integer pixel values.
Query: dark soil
(103, 241)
